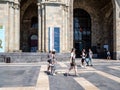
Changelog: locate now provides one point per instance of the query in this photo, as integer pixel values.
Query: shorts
(49, 60)
(72, 64)
(82, 60)
(53, 67)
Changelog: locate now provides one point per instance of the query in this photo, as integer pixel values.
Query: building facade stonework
(43, 25)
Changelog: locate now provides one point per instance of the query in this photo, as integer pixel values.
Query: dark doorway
(29, 27)
(82, 30)
(33, 42)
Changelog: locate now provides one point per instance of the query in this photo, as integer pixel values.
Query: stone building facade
(41, 25)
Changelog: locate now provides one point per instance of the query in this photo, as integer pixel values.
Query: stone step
(31, 57)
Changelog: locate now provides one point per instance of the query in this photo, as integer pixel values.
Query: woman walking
(90, 57)
(72, 62)
(53, 63)
(83, 58)
(49, 61)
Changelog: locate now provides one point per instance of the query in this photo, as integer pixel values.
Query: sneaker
(91, 65)
(82, 66)
(67, 74)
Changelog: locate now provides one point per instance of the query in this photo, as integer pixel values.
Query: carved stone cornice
(16, 6)
(10, 1)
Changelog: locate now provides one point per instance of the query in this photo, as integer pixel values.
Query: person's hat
(53, 50)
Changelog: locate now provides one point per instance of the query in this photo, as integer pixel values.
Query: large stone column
(39, 28)
(7, 29)
(71, 25)
(116, 31)
(63, 30)
(17, 27)
(11, 25)
(66, 28)
(41, 19)
(43, 28)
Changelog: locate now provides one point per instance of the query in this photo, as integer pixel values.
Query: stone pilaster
(66, 28)
(71, 25)
(11, 29)
(65, 42)
(39, 28)
(116, 31)
(43, 28)
(63, 30)
(7, 29)
(17, 28)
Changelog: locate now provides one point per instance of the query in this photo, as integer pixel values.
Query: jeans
(90, 61)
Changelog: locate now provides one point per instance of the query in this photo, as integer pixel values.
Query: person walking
(49, 61)
(108, 55)
(53, 63)
(83, 58)
(90, 57)
(72, 62)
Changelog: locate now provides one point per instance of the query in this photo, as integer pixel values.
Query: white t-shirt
(83, 55)
(90, 54)
(73, 55)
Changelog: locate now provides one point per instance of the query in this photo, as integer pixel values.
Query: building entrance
(82, 30)
(29, 26)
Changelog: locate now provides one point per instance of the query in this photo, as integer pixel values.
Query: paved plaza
(104, 75)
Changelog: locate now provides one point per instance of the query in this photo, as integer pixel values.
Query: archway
(102, 31)
(29, 25)
(82, 30)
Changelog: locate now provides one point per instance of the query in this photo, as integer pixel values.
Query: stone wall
(105, 19)
(51, 14)
(4, 21)
(9, 18)
(32, 57)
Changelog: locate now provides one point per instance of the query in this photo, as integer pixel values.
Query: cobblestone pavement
(103, 75)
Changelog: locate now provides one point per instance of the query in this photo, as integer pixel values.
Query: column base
(17, 50)
(116, 55)
(39, 51)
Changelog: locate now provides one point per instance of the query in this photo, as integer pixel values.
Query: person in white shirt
(90, 57)
(108, 55)
(72, 62)
(53, 63)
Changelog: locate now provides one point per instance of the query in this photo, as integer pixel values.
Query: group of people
(51, 62)
(86, 58)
